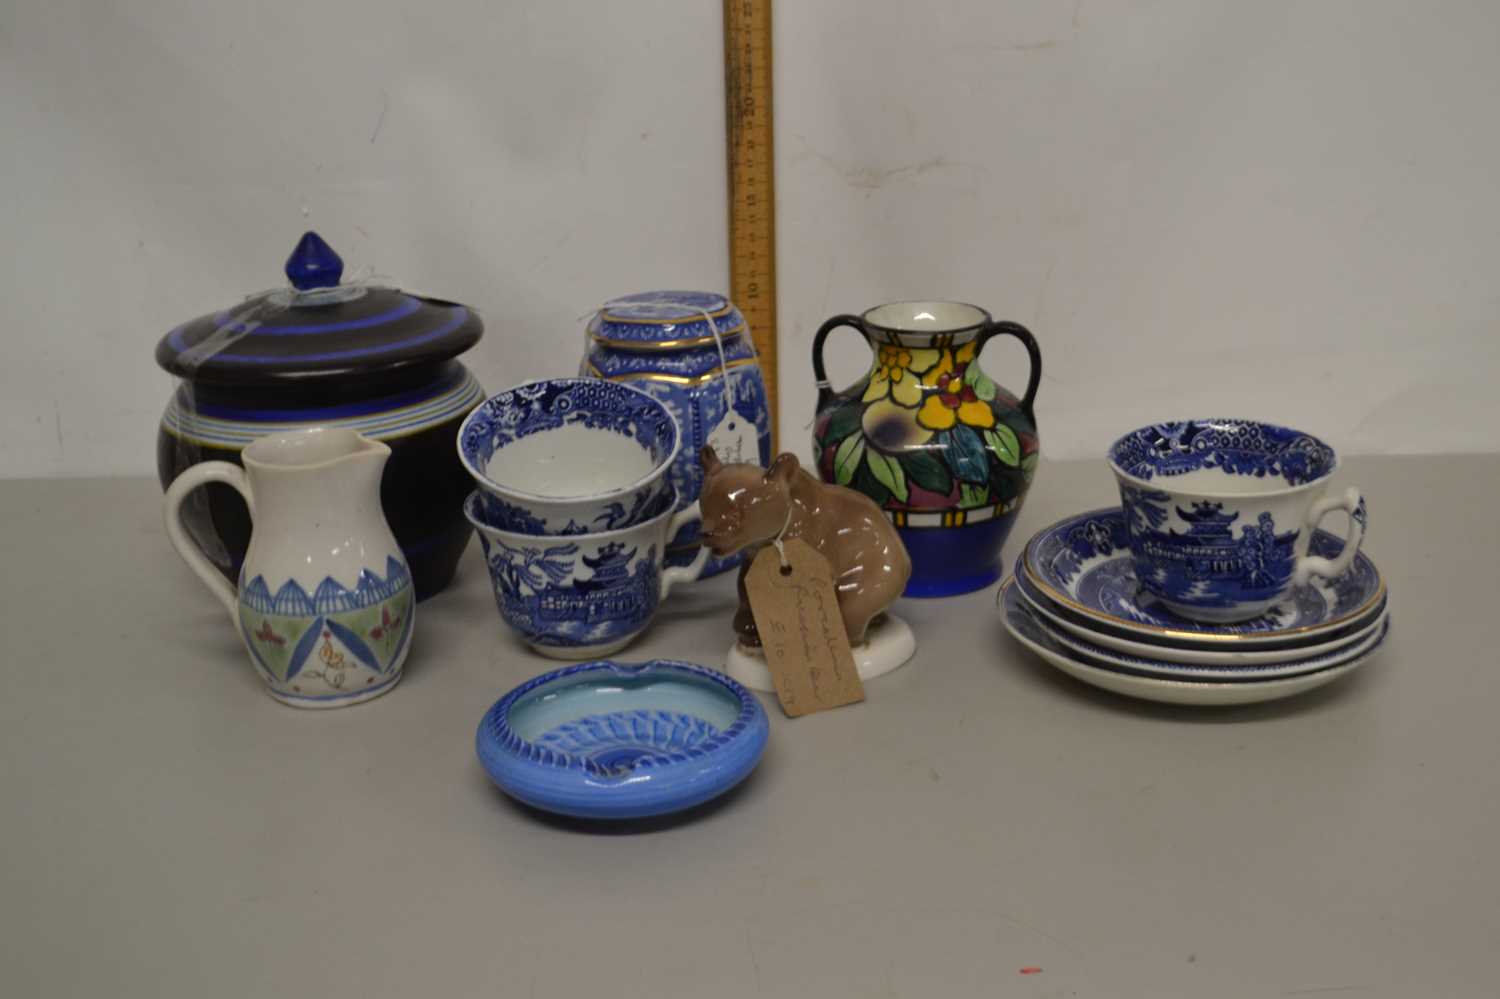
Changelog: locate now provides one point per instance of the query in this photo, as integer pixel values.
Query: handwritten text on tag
(801, 631)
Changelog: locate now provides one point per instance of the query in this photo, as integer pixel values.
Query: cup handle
(1002, 327)
(1352, 503)
(825, 391)
(690, 572)
(191, 478)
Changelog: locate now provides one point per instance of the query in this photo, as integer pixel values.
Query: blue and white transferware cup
(582, 596)
(569, 456)
(1220, 512)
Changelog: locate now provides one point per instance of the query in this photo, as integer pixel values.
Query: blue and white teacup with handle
(582, 596)
(1220, 513)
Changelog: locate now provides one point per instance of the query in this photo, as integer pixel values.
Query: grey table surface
(169, 830)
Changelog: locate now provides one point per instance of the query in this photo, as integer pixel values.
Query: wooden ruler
(752, 180)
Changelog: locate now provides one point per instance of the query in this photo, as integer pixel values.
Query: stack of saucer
(1212, 582)
(1075, 601)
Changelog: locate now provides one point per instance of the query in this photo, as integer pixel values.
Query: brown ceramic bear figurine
(746, 508)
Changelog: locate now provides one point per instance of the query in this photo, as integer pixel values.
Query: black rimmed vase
(947, 453)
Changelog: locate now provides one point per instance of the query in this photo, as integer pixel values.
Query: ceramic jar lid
(317, 328)
(666, 320)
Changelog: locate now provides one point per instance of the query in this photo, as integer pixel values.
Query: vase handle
(190, 479)
(825, 391)
(1003, 327)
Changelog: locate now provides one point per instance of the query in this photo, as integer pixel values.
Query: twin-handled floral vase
(947, 453)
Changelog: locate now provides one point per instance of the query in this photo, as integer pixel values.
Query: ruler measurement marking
(752, 201)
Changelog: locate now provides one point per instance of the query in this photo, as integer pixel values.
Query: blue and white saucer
(1064, 625)
(1024, 625)
(608, 740)
(1082, 567)
(1278, 664)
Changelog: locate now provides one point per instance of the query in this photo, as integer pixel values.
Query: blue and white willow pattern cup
(583, 596)
(569, 456)
(1220, 512)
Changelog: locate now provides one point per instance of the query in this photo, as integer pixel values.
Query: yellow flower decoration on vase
(896, 374)
(954, 401)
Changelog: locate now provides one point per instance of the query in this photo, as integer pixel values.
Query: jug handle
(191, 478)
(1003, 327)
(825, 391)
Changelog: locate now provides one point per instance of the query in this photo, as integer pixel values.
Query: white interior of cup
(568, 462)
(926, 317)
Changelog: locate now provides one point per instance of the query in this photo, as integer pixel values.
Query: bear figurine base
(889, 644)
(745, 508)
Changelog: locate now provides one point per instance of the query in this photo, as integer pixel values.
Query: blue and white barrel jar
(692, 351)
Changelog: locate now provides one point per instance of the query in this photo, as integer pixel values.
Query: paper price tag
(734, 437)
(801, 631)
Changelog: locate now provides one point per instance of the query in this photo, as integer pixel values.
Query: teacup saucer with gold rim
(1082, 567)
(1024, 627)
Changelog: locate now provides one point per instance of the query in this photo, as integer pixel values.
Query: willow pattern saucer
(1064, 624)
(1083, 566)
(1024, 628)
(607, 740)
(1097, 655)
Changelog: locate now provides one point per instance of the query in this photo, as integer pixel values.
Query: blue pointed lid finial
(313, 264)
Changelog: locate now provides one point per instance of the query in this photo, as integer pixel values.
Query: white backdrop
(1275, 209)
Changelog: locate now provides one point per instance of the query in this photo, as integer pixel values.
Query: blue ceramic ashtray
(608, 740)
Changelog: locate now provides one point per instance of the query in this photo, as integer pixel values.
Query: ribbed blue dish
(608, 740)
